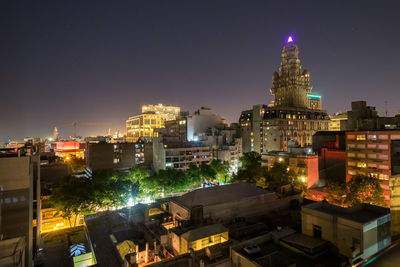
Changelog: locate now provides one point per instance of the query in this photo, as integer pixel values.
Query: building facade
(357, 232)
(179, 155)
(295, 114)
(152, 117)
(108, 156)
(338, 121)
(304, 165)
(373, 153)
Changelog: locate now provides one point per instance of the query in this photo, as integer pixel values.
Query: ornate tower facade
(295, 114)
(292, 84)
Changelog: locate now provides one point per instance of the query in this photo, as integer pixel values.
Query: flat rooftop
(204, 231)
(362, 214)
(219, 194)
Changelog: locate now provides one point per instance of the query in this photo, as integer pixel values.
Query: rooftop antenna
(386, 108)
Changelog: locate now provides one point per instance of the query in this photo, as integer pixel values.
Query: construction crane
(75, 125)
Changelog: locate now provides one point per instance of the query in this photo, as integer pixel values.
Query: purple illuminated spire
(290, 39)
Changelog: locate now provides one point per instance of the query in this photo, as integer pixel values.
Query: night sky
(97, 62)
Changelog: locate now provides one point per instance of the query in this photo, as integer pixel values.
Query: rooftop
(219, 194)
(203, 232)
(362, 214)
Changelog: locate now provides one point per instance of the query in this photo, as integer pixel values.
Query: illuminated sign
(67, 146)
(314, 96)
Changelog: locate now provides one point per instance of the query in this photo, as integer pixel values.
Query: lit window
(361, 137)
(361, 164)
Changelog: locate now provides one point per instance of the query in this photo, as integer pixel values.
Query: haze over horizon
(97, 62)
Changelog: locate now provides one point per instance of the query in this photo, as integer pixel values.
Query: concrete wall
(99, 156)
(14, 173)
(178, 211)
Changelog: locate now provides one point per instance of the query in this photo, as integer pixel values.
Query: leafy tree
(251, 170)
(364, 189)
(279, 173)
(360, 189)
(221, 170)
(336, 194)
(102, 191)
(72, 197)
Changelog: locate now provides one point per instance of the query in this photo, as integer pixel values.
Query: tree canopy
(360, 189)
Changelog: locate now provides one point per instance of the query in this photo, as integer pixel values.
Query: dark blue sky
(99, 61)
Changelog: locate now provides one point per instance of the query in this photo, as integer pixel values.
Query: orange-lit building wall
(69, 149)
(305, 166)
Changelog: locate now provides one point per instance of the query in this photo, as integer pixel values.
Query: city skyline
(94, 66)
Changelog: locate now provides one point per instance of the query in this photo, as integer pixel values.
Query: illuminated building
(301, 161)
(338, 121)
(152, 117)
(198, 138)
(295, 113)
(168, 113)
(198, 238)
(52, 220)
(373, 153)
(357, 232)
(179, 155)
(69, 149)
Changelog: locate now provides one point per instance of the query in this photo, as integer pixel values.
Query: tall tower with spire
(291, 85)
(293, 117)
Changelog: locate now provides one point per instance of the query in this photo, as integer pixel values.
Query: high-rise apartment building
(152, 117)
(295, 114)
(374, 153)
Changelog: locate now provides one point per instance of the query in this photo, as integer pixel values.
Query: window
(317, 231)
(372, 146)
(372, 137)
(361, 164)
(383, 137)
(361, 137)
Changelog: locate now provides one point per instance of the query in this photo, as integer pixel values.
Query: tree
(360, 189)
(251, 170)
(103, 190)
(221, 171)
(364, 189)
(71, 198)
(336, 194)
(280, 173)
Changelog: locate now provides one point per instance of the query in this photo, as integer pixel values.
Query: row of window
(9, 200)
